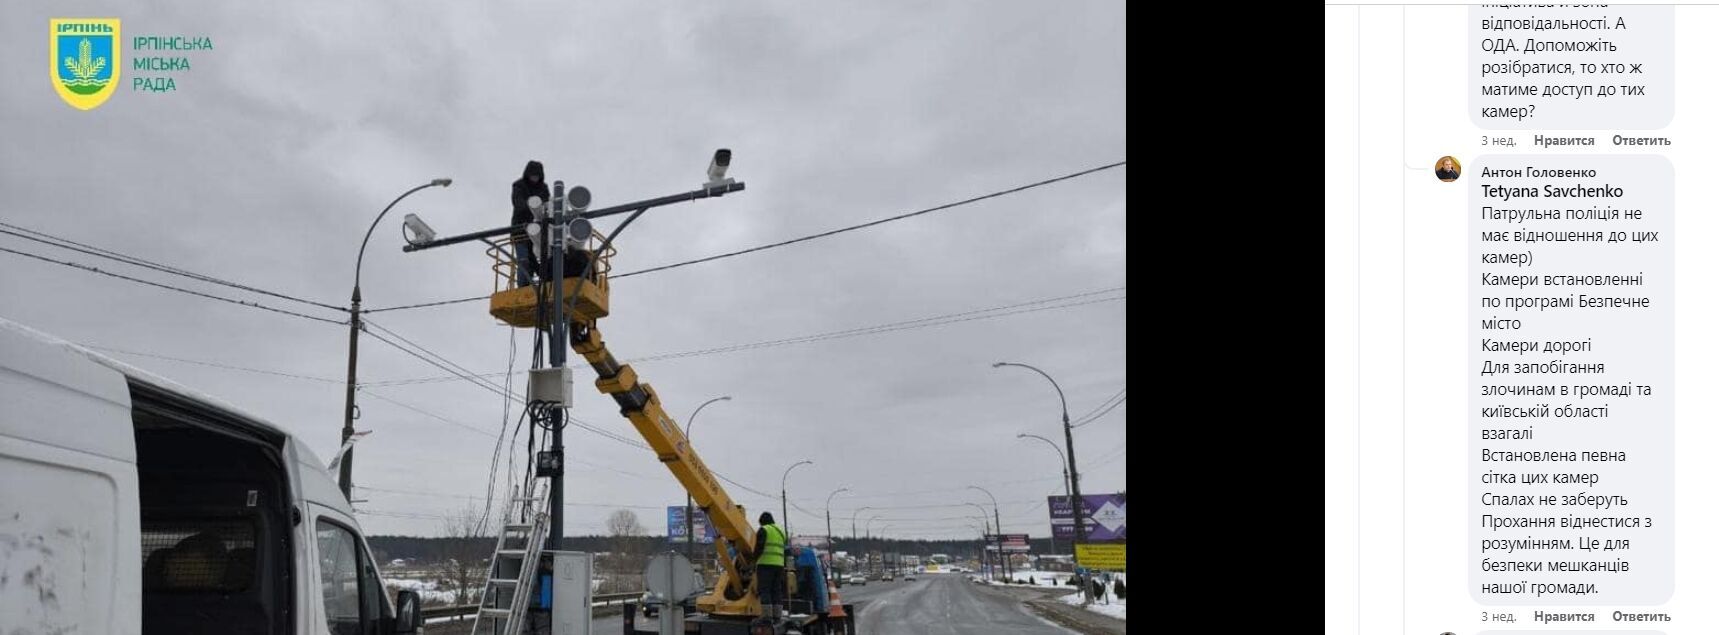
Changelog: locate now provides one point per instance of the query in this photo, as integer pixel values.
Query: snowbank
(1114, 608)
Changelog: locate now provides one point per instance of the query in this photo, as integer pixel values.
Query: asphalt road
(938, 604)
(935, 604)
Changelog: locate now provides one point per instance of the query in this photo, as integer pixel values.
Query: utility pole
(570, 210)
(355, 324)
(999, 516)
(1065, 487)
(785, 492)
(1077, 503)
(688, 510)
(830, 532)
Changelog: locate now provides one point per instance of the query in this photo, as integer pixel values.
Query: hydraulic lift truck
(732, 607)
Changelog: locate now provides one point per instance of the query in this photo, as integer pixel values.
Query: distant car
(857, 579)
(888, 577)
(909, 577)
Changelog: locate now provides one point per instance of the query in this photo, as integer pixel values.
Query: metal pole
(557, 359)
(785, 492)
(1076, 501)
(354, 323)
(1063, 461)
(999, 533)
(688, 510)
(828, 531)
(351, 394)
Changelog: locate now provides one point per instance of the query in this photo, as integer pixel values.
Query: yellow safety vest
(775, 544)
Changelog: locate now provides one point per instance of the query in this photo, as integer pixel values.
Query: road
(935, 604)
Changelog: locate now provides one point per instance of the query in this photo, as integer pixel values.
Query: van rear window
(210, 555)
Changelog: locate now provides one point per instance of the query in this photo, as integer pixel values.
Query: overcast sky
(282, 144)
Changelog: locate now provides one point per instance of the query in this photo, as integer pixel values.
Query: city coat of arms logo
(83, 59)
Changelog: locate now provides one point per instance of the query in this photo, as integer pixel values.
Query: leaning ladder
(513, 567)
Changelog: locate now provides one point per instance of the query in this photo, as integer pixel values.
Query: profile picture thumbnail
(1447, 169)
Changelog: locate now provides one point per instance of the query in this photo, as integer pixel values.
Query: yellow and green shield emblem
(83, 59)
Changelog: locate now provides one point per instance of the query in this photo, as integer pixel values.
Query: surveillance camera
(719, 168)
(421, 232)
(535, 203)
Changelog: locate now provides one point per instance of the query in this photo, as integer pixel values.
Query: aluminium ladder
(513, 567)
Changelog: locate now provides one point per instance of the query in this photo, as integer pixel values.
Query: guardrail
(597, 599)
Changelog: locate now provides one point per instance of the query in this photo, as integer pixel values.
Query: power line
(925, 322)
(967, 316)
(1106, 411)
(433, 415)
(1101, 404)
(200, 294)
(806, 238)
(879, 221)
(217, 365)
(461, 372)
(473, 498)
(56, 241)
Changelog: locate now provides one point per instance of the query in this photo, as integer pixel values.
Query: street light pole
(785, 492)
(984, 554)
(999, 515)
(869, 547)
(1076, 503)
(354, 325)
(1064, 462)
(688, 510)
(829, 532)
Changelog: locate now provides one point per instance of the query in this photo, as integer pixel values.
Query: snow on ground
(428, 591)
(1057, 579)
(1108, 606)
(1047, 579)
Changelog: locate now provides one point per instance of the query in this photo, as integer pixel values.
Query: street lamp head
(421, 232)
(442, 182)
(724, 398)
(999, 364)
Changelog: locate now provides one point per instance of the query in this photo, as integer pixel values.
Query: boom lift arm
(735, 592)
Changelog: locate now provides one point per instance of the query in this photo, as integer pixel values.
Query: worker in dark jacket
(529, 184)
(769, 550)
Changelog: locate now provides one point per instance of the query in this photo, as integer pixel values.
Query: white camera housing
(718, 170)
(421, 232)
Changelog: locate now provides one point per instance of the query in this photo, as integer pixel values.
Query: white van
(130, 504)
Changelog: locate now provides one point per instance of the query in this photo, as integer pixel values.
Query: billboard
(1106, 518)
(1103, 556)
(1012, 543)
(702, 531)
(821, 543)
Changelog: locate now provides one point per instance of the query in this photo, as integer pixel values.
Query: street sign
(1105, 556)
(1106, 518)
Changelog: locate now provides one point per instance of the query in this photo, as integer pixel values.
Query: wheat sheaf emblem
(84, 70)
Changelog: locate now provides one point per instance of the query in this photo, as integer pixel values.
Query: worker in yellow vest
(769, 550)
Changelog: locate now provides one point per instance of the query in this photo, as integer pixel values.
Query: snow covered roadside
(1109, 605)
